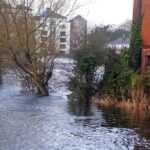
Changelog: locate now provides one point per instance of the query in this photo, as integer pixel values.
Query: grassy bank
(143, 105)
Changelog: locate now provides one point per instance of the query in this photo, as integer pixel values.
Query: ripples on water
(60, 123)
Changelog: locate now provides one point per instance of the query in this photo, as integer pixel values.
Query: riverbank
(143, 105)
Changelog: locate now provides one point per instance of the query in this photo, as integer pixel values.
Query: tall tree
(89, 62)
(21, 37)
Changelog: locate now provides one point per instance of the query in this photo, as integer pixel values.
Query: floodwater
(59, 122)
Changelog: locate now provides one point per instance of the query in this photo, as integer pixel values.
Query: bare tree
(22, 26)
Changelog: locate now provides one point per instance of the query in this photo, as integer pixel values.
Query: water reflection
(116, 117)
(110, 116)
(58, 123)
(97, 118)
(50, 123)
(79, 107)
(123, 118)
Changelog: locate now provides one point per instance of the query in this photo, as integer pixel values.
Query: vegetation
(83, 84)
(116, 82)
(114, 79)
(141, 86)
(136, 45)
(88, 62)
(136, 40)
(21, 38)
(120, 83)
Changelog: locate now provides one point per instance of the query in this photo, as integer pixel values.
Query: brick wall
(145, 30)
(146, 22)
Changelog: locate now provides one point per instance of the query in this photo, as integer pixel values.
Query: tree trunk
(42, 89)
(0, 71)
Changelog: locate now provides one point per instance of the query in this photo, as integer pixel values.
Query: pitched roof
(79, 17)
(120, 41)
(22, 7)
(52, 14)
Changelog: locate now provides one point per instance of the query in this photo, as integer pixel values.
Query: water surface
(59, 122)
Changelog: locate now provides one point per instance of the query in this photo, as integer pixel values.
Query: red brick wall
(145, 30)
(134, 8)
(146, 22)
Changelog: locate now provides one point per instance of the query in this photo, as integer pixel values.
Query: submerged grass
(143, 105)
(139, 101)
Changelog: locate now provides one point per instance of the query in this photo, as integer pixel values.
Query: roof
(79, 17)
(22, 7)
(120, 41)
(52, 14)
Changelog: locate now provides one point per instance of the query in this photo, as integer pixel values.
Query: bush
(116, 81)
(83, 83)
(147, 78)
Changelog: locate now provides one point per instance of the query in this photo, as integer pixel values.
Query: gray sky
(107, 11)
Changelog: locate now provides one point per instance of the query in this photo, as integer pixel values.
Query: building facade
(118, 44)
(142, 7)
(55, 30)
(67, 36)
(78, 33)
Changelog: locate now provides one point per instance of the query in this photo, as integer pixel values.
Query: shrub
(83, 83)
(116, 81)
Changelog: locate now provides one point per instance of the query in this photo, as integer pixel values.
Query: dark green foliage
(141, 83)
(82, 84)
(87, 61)
(99, 37)
(147, 76)
(116, 81)
(136, 40)
(119, 33)
(146, 81)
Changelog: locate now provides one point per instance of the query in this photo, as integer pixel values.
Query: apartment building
(67, 36)
(55, 30)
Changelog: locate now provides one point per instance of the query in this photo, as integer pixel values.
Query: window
(63, 33)
(76, 23)
(63, 27)
(62, 52)
(62, 40)
(148, 61)
(62, 46)
(43, 39)
(44, 33)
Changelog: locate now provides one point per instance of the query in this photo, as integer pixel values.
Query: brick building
(78, 33)
(143, 7)
(67, 35)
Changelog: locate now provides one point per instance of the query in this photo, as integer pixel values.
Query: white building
(119, 44)
(63, 37)
(55, 29)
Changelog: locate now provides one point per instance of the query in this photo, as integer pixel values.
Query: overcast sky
(107, 11)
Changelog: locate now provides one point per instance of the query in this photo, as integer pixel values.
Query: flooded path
(61, 123)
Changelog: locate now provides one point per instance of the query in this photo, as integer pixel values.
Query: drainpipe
(139, 11)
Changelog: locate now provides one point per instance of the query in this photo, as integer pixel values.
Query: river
(59, 122)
